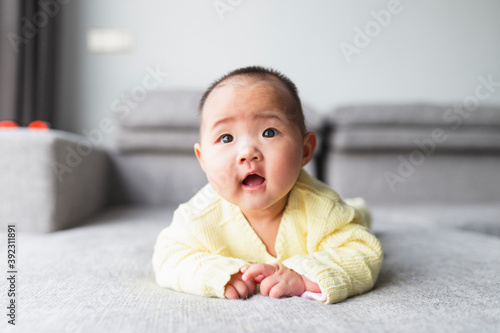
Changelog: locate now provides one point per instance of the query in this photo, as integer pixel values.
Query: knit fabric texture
(320, 236)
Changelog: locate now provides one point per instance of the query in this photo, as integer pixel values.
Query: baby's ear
(197, 152)
(309, 147)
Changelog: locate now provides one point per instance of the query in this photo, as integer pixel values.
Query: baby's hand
(275, 280)
(239, 288)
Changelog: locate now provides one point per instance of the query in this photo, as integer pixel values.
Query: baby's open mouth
(253, 180)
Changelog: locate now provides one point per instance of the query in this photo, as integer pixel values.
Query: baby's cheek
(220, 175)
(216, 171)
(217, 180)
(289, 163)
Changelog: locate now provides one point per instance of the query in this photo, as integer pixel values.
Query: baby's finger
(258, 269)
(278, 290)
(251, 285)
(267, 284)
(259, 278)
(230, 292)
(241, 287)
(244, 268)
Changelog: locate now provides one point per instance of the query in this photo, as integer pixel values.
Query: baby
(262, 220)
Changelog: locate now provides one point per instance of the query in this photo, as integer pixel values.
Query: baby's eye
(226, 138)
(269, 133)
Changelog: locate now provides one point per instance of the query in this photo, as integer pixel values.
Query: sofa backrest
(153, 156)
(415, 153)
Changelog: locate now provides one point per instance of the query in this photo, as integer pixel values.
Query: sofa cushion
(398, 177)
(163, 109)
(414, 115)
(407, 138)
(404, 154)
(99, 277)
(414, 126)
(50, 180)
(163, 140)
(155, 179)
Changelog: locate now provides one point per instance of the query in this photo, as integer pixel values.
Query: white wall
(431, 51)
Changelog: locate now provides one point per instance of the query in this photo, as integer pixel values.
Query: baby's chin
(245, 203)
(267, 204)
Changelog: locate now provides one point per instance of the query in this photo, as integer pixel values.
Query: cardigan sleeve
(181, 262)
(345, 262)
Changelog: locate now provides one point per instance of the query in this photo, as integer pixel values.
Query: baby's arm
(346, 263)
(181, 262)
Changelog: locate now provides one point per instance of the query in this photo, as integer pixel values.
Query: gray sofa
(87, 216)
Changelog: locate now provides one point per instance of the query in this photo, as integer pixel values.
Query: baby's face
(250, 149)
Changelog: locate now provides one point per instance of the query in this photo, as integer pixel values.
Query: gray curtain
(28, 49)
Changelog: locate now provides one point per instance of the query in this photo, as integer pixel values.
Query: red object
(8, 124)
(39, 125)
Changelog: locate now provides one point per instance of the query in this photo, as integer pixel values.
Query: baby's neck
(269, 216)
(262, 219)
(266, 226)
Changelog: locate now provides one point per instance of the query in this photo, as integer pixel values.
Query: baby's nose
(249, 153)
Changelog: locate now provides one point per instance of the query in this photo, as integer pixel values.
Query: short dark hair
(262, 72)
